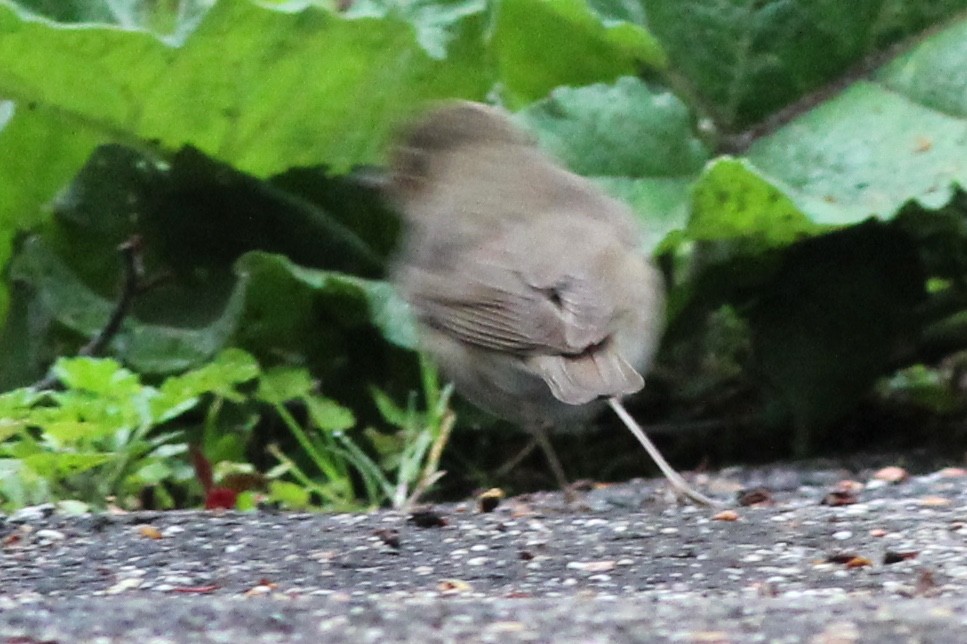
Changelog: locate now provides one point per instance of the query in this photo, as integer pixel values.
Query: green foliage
(107, 435)
(405, 462)
(99, 437)
(807, 258)
(743, 60)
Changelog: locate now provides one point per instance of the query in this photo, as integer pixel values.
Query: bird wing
(556, 316)
(488, 307)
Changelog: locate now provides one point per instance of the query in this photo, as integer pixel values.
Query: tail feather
(579, 379)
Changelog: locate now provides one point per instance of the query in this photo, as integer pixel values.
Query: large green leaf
(542, 44)
(173, 19)
(745, 59)
(277, 309)
(635, 140)
(438, 23)
(880, 143)
(285, 301)
(732, 202)
(332, 90)
(54, 312)
(623, 129)
(37, 154)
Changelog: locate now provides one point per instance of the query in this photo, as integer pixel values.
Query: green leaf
(541, 44)
(171, 19)
(743, 60)
(257, 111)
(61, 464)
(290, 495)
(389, 447)
(635, 140)
(622, 129)
(9, 427)
(152, 472)
(932, 74)
(389, 410)
(733, 202)
(37, 156)
(177, 394)
(20, 486)
(274, 310)
(283, 301)
(282, 384)
(72, 508)
(63, 303)
(328, 415)
(98, 376)
(17, 402)
(71, 10)
(867, 152)
(662, 205)
(924, 387)
(437, 23)
(75, 432)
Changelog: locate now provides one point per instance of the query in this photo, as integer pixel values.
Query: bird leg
(540, 439)
(517, 459)
(677, 482)
(540, 435)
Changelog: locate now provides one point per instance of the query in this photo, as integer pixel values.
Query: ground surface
(878, 562)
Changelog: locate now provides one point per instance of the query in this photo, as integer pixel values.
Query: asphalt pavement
(825, 553)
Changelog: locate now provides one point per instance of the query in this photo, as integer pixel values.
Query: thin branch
(133, 284)
(133, 264)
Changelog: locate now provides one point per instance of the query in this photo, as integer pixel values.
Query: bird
(528, 283)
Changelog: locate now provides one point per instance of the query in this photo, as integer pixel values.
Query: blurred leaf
(153, 472)
(931, 74)
(172, 18)
(328, 415)
(70, 507)
(62, 464)
(924, 387)
(389, 410)
(196, 216)
(282, 384)
(71, 10)
(276, 307)
(68, 433)
(389, 447)
(437, 23)
(97, 375)
(290, 495)
(284, 301)
(20, 486)
(865, 153)
(37, 157)
(17, 402)
(179, 393)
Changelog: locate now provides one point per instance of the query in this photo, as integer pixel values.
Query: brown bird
(528, 282)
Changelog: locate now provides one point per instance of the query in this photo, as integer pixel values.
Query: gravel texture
(829, 555)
